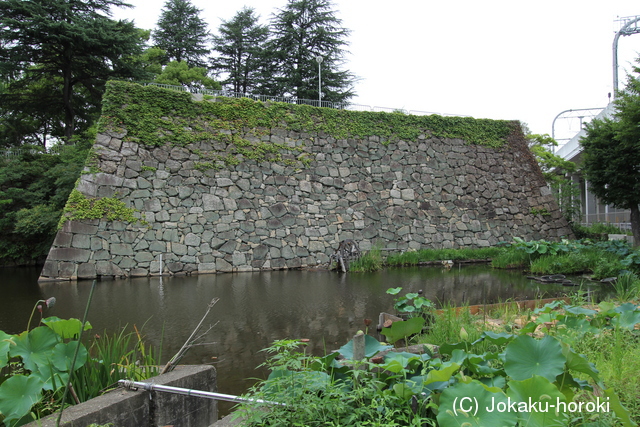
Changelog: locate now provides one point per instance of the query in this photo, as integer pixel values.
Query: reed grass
(115, 356)
(447, 324)
(370, 261)
(427, 255)
(511, 258)
(627, 287)
(616, 354)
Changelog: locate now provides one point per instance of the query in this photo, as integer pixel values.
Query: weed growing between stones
(81, 207)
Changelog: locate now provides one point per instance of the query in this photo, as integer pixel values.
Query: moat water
(254, 309)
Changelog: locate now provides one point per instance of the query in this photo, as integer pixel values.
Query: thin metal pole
(189, 392)
(624, 31)
(320, 84)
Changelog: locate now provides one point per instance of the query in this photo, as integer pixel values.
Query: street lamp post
(319, 59)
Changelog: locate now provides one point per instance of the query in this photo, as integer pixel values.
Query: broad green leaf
(579, 363)
(403, 329)
(6, 341)
(447, 348)
(398, 361)
(537, 402)
(51, 377)
(497, 381)
(548, 307)
(66, 328)
(17, 395)
(497, 338)
(606, 306)
(621, 412)
(473, 404)
(529, 328)
(577, 310)
(627, 306)
(35, 347)
(371, 347)
(627, 319)
(578, 325)
(443, 374)
(526, 357)
(403, 390)
(62, 356)
(394, 291)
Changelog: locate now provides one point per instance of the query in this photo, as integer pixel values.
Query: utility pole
(629, 27)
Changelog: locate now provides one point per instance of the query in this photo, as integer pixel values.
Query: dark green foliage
(611, 152)
(302, 31)
(34, 188)
(178, 73)
(72, 43)
(181, 33)
(240, 48)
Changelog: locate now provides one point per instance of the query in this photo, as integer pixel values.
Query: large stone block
(69, 254)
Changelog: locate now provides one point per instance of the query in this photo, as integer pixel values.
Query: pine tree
(301, 32)
(182, 34)
(73, 47)
(240, 46)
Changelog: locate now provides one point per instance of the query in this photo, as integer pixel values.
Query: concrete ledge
(124, 408)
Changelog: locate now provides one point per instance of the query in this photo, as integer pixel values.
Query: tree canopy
(71, 49)
(240, 48)
(182, 34)
(301, 32)
(611, 151)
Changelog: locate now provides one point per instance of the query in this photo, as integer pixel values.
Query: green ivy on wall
(80, 207)
(154, 116)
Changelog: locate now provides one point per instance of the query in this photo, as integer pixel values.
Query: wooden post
(358, 347)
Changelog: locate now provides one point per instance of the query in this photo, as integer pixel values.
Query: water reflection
(256, 308)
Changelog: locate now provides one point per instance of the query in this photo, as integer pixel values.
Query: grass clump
(430, 255)
(370, 261)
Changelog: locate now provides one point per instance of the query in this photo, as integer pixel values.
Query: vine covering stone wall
(216, 192)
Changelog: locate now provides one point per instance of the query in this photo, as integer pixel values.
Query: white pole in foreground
(319, 59)
(190, 392)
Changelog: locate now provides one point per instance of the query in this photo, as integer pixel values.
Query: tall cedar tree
(611, 151)
(182, 34)
(240, 48)
(74, 46)
(300, 32)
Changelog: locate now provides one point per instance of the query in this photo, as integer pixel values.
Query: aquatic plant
(492, 371)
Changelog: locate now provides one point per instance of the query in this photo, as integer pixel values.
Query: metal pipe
(624, 31)
(189, 392)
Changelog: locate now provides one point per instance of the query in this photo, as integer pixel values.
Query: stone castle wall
(429, 193)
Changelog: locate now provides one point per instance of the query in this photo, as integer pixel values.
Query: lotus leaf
(579, 363)
(371, 347)
(526, 357)
(627, 319)
(616, 406)
(538, 400)
(6, 341)
(471, 404)
(35, 347)
(443, 374)
(62, 356)
(17, 395)
(66, 328)
(403, 329)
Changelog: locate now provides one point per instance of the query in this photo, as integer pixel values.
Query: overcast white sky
(498, 59)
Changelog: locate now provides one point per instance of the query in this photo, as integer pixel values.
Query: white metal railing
(294, 100)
